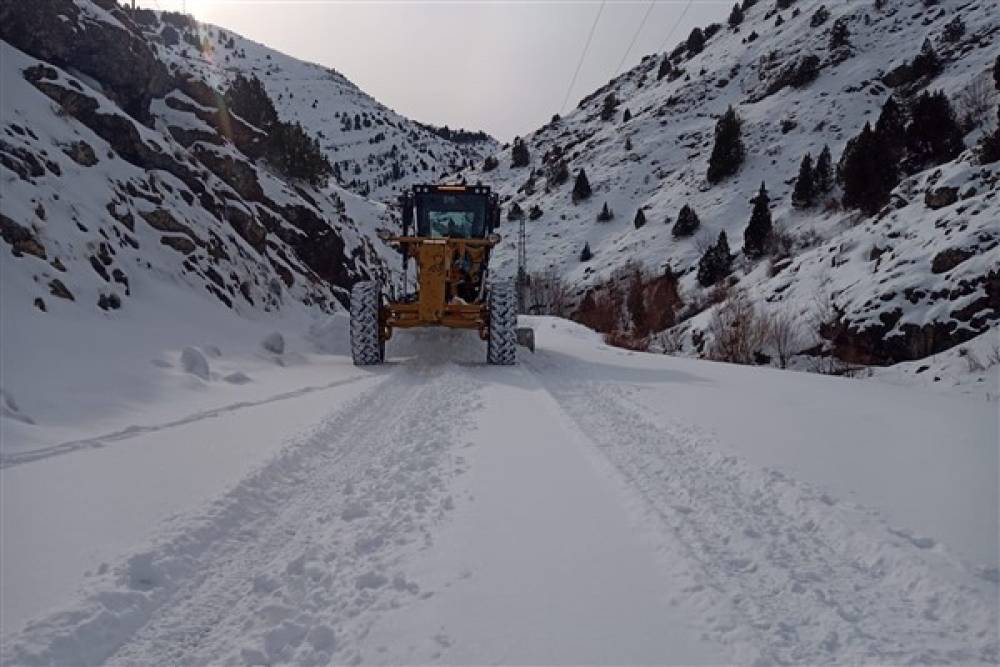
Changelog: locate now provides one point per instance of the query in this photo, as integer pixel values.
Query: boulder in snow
(194, 362)
(274, 342)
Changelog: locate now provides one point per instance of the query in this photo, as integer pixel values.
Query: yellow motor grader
(455, 230)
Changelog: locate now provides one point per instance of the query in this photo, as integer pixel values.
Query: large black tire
(501, 346)
(367, 347)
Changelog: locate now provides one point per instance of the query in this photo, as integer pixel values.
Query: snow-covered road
(577, 508)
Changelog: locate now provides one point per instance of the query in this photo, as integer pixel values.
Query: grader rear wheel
(367, 346)
(501, 349)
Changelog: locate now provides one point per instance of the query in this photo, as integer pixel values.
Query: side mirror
(407, 203)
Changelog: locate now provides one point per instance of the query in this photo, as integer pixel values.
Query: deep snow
(588, 505)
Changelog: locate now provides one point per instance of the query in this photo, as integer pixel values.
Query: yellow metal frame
(436, 278)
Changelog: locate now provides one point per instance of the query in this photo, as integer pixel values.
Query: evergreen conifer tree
(865, 173)
(695, 42)
(666, 66)
(606, 213)
(823, 173)
(728, 152)
(716, 263)
(735, 16)
(757, 236)
(891, 131)
(640, 219)
(804, 194)
(933, 135)
(586, 255)
(840, 35)
(687, 222)
(581, 188)
(927, 62)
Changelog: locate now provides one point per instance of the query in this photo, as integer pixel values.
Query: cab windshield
(445, 215)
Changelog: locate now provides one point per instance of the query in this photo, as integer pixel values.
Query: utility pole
(522, 267)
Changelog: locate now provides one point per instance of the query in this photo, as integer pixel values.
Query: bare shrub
(785, 337)
(602, 309)
(627, 341)
(993, 355)
(738, 330)
(974, 104)
(672, 340)
(547, 294)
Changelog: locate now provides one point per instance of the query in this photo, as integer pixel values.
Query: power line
(673, 28)
(586, 46)
(642, 24)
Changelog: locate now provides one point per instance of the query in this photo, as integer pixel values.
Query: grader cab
(449, 231)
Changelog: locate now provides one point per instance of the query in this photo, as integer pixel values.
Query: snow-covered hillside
(590, 505)
(376, 151)
(910, 281)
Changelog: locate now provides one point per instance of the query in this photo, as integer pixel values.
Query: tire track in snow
(19, 458)
(296, 562)
(782, 572)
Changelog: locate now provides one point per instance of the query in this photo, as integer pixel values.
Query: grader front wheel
(501, 346)
(367, 346)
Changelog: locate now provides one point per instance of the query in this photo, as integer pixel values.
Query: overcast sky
(503, 67)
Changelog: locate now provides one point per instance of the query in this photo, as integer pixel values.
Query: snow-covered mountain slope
(375, 150)
(590, 505)
(910, 281)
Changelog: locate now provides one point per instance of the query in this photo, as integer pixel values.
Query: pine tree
(581, 188)
(609, 106)
(535, 212)
(996, 73)
(666, 66)
(627, 116)
(891, 131)
(520, 157)
(927, 62)
(585, 254)
(865, 173)
(490, 163)
(728, 152)
(954, 30)
(716, 263)
(735, 16)
(840, 35)
(988, 149)
(695, 42)
(758, 234)
(296, 154)
(640, 219)
(628, 143)
(933, 135)
(247, 98)
(823, 173)
(606, 214)
(804, 194)
(687, 222)
(515, 212)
